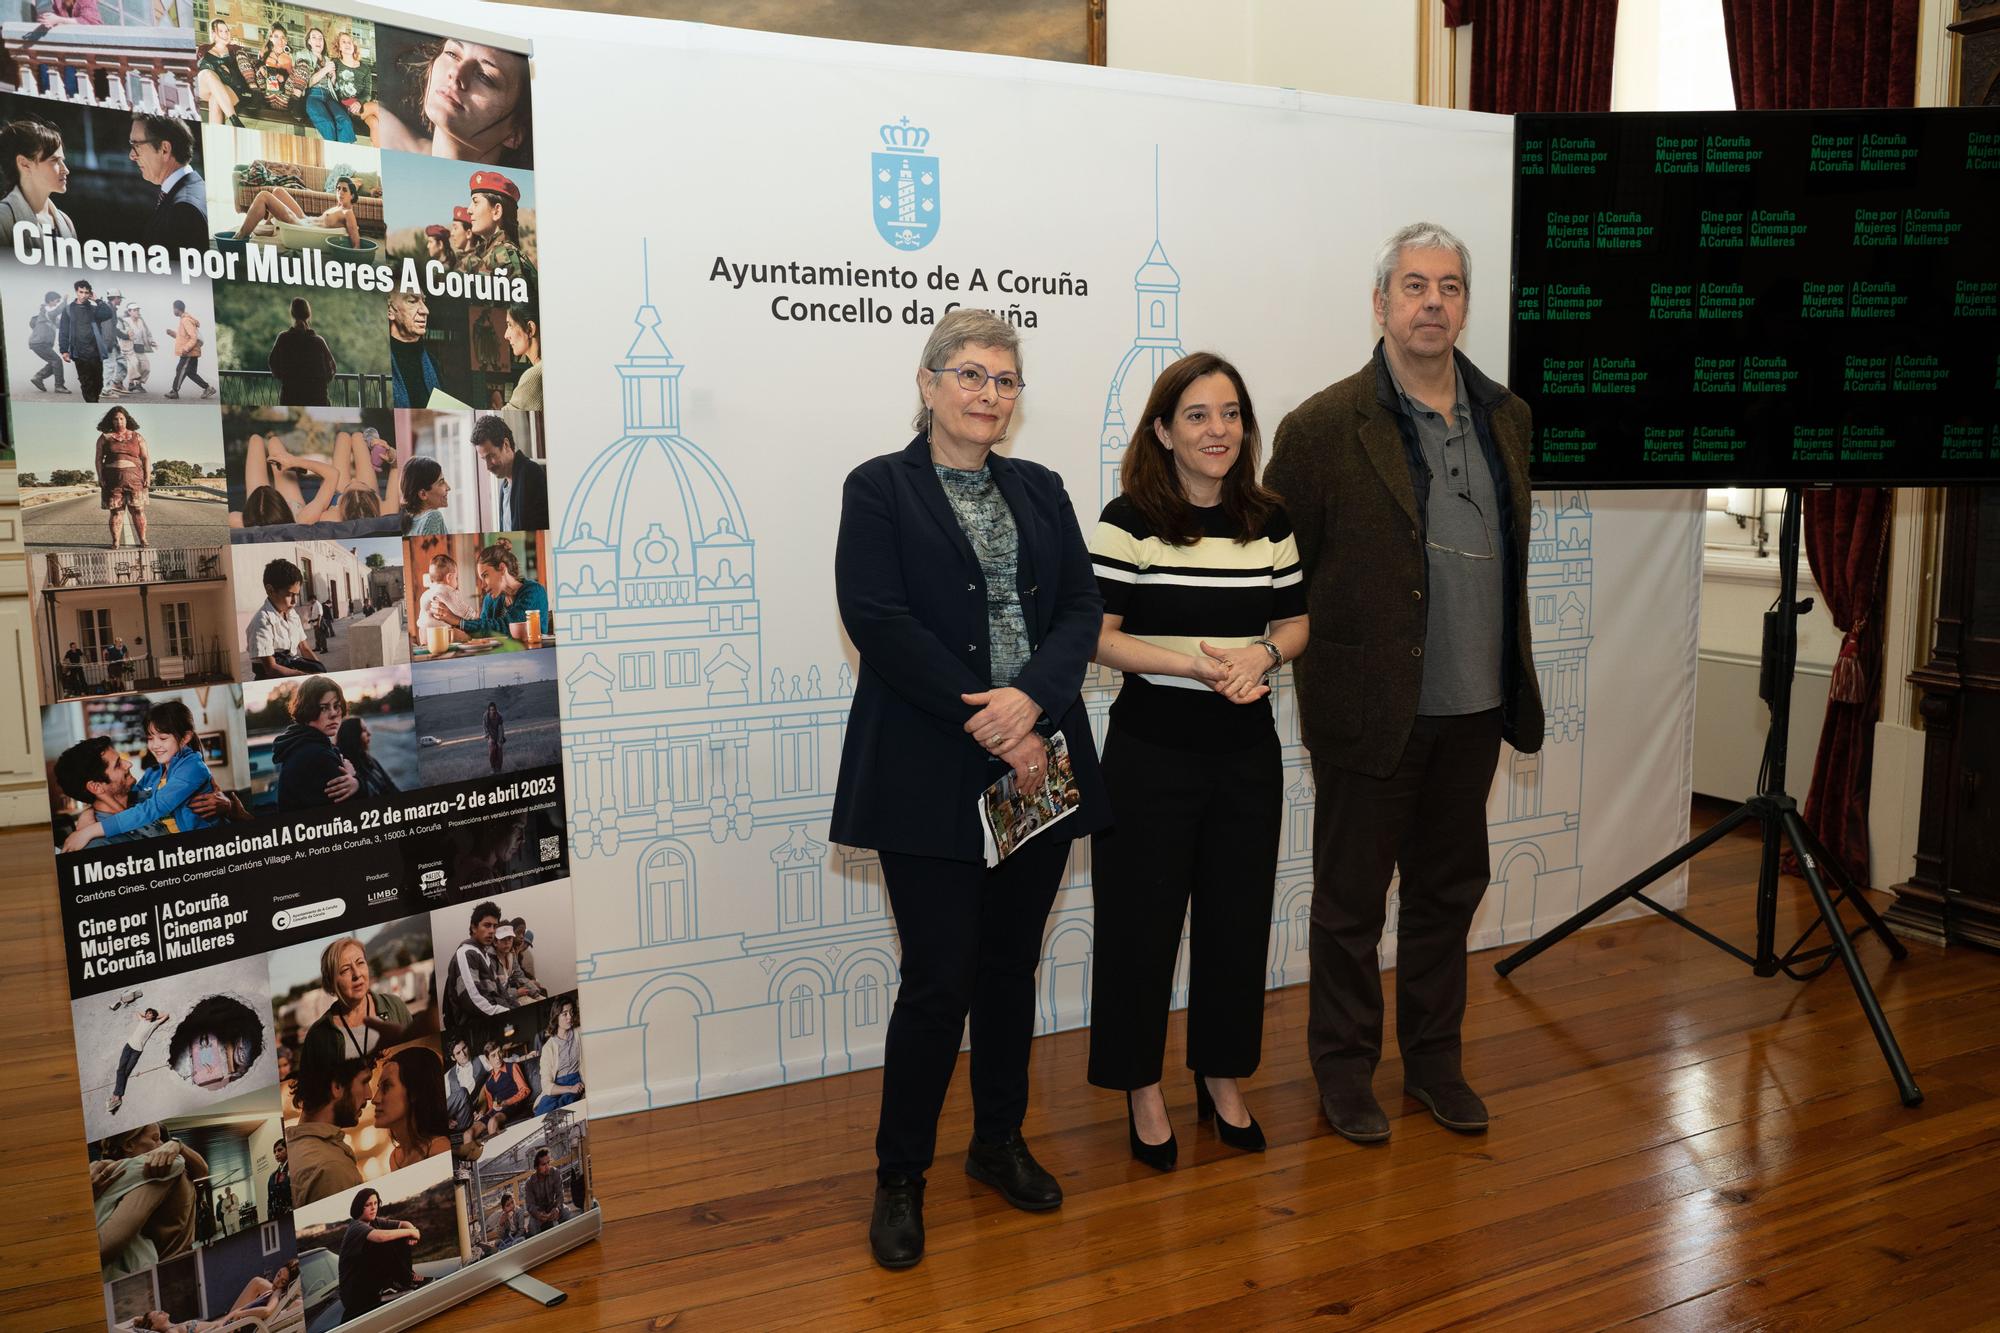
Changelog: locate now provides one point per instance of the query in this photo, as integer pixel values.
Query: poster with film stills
(269, 282)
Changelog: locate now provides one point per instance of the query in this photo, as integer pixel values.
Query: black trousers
(1186, 826)
(1428, 818)
(184, 369)
(371, 1270)
(971, 938)
(128, 1060)
(89, 378)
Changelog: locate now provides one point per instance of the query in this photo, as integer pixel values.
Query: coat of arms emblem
(905, 186)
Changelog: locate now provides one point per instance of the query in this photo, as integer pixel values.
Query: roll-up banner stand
(271, 289)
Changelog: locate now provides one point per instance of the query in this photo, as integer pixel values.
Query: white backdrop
(724, 944)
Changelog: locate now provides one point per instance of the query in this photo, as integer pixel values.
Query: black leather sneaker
(896, 1231)
(1009, 1167)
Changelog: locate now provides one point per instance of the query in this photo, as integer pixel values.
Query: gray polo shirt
(1462, 551)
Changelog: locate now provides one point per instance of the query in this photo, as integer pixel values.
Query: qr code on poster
(551, 849)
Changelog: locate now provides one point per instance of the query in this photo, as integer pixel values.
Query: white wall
(1731, 722)
(1671, 55)
(1355, 48)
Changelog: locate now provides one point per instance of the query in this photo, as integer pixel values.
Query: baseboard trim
(24, 807)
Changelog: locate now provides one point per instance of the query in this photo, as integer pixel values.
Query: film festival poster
(273, 372)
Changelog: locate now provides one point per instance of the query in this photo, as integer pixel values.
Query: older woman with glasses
(965, 583)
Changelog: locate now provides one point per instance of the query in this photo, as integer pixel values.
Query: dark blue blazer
(180, 219)
(913, 598)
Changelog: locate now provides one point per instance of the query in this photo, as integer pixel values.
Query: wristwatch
(1277, 658)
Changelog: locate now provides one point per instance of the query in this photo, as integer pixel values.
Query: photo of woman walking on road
(124, 475)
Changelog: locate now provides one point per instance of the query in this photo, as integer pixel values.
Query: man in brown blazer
(1407, 483)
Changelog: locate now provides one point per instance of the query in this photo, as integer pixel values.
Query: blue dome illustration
(653, 499)
(656, 570)
(653, 519)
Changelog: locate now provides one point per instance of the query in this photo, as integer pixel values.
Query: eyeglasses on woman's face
(972, 378)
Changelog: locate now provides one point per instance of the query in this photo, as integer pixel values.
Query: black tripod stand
(1778, 815)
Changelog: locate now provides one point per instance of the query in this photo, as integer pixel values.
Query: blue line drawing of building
(1536, 811)
(694, 775)
(736, 947)
(1156, 344)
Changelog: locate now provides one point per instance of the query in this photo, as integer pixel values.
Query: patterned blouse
(989, 526)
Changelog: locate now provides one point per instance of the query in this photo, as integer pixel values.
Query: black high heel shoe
(1159, 1156)
(1249, 1138)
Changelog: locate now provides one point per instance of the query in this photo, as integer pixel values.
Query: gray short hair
(953, 333)
(1420, 236)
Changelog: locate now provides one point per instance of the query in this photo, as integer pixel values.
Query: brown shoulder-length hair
(312, 694)
(502, 557)
(1148, 476)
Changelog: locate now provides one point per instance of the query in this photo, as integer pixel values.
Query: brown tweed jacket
(1353, 479)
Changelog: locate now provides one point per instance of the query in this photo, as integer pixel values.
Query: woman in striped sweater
(1203, 600)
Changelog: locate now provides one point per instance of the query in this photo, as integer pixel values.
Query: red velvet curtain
(1791, 55)
(1787, 55)
(1847, 543)
(1538, 55)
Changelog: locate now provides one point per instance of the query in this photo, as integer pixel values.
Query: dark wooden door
(1975, 854)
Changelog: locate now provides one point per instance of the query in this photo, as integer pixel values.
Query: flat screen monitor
(1759, 298)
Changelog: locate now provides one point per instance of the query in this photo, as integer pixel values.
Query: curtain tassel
(1850, 682)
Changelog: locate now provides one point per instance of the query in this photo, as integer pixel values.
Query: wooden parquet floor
(1675, 1142)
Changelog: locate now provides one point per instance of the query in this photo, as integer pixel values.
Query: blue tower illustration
(1156, 344)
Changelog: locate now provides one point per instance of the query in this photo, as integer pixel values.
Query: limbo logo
(905, 186)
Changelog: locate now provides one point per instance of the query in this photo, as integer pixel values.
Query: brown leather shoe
(1355, 1114)
(1452, 1104)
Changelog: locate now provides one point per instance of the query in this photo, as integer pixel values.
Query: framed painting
(1071, 30)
